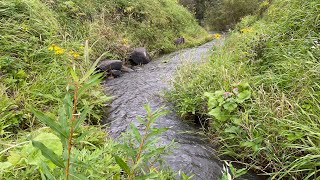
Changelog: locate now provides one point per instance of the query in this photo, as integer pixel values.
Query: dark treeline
(221, 14)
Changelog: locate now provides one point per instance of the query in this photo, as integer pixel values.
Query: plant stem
(141, 144)
(73, 117)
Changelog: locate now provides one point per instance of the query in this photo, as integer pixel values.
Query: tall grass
(276, 130)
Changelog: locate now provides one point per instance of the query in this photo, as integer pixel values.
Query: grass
(276, 130)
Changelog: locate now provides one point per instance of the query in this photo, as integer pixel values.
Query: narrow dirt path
(194, 154)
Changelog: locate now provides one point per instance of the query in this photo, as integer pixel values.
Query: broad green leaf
(122, 164)
(209, 95)
(49, 122)
(135, 132)
(218, 93)
(218, 114)
(212, 103)
(230, 106)
(14, 158)
(236, 121)
(243, 86)
(33, 156)
(48, 153)
(244, 95)
(5, 165)
(220, 100)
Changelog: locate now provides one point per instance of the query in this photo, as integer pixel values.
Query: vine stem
(73, 118)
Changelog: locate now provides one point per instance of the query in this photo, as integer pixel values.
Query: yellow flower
(125, 41)
(58, 50)
(51, 47)
(246, 30)
(81, 47)
(75, 55)
(217, 36)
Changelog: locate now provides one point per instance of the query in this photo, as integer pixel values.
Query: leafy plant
(69, 119)
(141, 149)
(222, 104)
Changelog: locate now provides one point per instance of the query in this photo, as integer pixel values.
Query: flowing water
(194, 155)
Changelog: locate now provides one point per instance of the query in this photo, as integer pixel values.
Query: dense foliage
(221, 15)
(224, 14)
(276, 128)
(43, 54)
(41, 40)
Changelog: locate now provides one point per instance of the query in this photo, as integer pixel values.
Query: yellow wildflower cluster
(74, 54)
(56, 49)
(125, 41)
(246, 30)
(217, 36)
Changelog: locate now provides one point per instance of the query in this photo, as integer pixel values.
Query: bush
(276, 130)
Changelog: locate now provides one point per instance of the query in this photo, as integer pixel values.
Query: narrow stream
(194, 155)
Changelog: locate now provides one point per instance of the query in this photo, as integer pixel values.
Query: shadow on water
(194, 154)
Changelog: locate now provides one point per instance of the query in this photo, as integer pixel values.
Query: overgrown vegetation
(276, 129)
(41, 40)
(71, 151)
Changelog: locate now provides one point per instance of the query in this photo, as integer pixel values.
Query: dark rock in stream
(194, 154)
(107, 65)
(140, 56)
